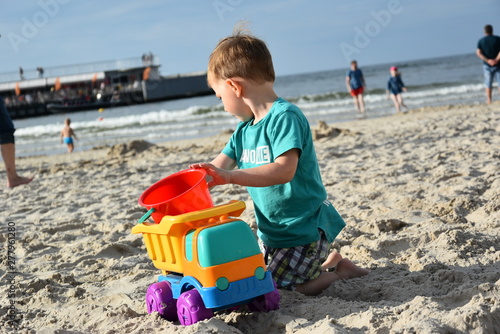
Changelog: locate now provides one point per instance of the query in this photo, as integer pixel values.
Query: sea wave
(128, 123)
(160, 124)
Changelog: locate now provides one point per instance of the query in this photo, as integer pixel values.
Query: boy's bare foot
(331, 261)
(19, 181)
(347, 269)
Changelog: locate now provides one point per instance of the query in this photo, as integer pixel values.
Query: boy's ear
(235, 85)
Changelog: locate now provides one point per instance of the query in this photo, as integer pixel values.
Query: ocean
(321, 96)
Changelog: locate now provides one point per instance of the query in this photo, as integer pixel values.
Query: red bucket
(179, 193)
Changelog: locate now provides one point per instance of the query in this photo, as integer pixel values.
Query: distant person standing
(40, 71)
(67, 135)
(488, 50)
(355, 83)
(395, 87)
(21, 73)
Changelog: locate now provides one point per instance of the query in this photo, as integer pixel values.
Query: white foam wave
(116, 126)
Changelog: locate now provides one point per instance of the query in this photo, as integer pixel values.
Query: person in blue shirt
(273, 149)
(488, 50)
(395, 87)
(355, 83)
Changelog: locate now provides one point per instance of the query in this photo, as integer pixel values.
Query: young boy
(395, 87)
(67, 135)
(355, 83)
(273, 149)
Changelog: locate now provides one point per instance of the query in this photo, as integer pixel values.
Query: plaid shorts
(296, 265)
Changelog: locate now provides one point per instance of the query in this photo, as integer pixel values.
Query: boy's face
(226, 91)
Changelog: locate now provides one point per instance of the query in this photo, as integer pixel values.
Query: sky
(303, 36)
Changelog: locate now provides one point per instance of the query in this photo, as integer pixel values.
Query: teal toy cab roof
(223, 243)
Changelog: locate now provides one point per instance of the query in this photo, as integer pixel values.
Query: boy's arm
(215, 169)
(224, 162)
(348, 83)
(282, 170)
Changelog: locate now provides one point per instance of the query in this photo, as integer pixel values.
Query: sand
(420, 193)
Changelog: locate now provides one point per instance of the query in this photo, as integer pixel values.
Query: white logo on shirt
(259, 156)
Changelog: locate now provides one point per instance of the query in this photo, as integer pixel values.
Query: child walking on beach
(355, 83)
(273, 149)
(67, 135)
(395, 87)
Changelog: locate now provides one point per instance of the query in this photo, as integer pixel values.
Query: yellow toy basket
(164, 241)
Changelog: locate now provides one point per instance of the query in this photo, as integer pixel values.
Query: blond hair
(241, 55)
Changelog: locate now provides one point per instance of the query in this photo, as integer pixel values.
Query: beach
(420, 193)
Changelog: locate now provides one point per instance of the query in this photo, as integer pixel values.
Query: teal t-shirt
(287, 215)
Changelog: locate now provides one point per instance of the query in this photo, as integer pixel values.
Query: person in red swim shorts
(355, 83)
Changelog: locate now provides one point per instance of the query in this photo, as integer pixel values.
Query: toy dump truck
(210, 260)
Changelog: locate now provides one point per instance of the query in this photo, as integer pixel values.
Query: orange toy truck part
(165, 242)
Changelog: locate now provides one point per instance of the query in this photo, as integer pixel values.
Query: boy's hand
(215, 176)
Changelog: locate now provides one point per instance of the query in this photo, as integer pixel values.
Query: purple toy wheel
(265, 303)
(159, 299)
(191, 309)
